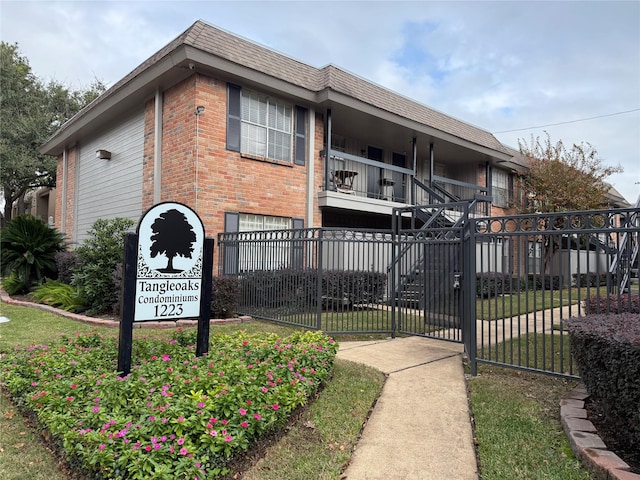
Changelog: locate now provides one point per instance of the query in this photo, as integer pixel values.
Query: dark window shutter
(233, 117)
(297, 250)
(230, 258)
(300, 147)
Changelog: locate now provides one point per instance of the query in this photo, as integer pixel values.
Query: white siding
(110, 188)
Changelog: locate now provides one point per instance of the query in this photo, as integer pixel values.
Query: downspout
(63, 193)
(431, 168)
(414, 142)
(311, 193)
(327, 150)
(157, 148)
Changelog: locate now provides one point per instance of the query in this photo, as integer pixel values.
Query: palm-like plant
(28, 247)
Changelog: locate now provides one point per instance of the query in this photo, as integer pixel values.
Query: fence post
(469, 324)
(319, 279)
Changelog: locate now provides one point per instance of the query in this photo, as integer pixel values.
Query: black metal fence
(503, 286)
(534, 271)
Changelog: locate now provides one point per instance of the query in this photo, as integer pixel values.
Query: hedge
(607, 351)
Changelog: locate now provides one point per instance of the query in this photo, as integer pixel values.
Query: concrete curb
(5, 298)
(587, 446)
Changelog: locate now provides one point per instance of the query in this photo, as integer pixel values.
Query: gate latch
(456, 280)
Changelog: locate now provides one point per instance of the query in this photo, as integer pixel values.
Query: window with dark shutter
(233, 117)
(300, 148)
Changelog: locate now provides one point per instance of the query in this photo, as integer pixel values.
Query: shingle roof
(246, 53)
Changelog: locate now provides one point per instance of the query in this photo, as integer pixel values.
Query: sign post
(167, 274)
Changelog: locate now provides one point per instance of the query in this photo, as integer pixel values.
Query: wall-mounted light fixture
(103, 154)
(199, 109)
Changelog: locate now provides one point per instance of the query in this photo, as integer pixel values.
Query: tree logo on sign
(172, 236)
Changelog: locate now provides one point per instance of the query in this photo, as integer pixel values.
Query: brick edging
(5, 298)
(587, 446)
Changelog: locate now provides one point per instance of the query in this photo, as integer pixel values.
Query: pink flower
(148, 448)
(228, 438)
(242, 411)
(96, 409)
(257, 416)
(101, 446)
(180, 419)
(183, 451)
(244, 424)
(165, 357)
(69, 399)
(276, 406)
(180, 441)
(156, 446)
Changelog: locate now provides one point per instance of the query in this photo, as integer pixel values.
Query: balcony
(352, 182)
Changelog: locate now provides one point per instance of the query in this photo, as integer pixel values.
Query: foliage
(563, 179)
(58, 294)
(297, 289)
(14, 285)
(28, 249)
(66, 264)
(36, 110)
(607, 351)
(175, 415)
(98, 256)
(225, 297)
(623, 303)
(491, 284)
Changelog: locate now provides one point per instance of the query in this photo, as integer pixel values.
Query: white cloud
(498, 65)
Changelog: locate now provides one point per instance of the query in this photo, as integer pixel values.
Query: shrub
(59, 295)
(492, 284)
(225, 297)
(590, 279)
(67, 264)
(543, 281)
(98, 257)
(297, 290)
(27, 249)
(13, 285)
(624, 303)
(176, 415)
(354, 287)
(607, 351)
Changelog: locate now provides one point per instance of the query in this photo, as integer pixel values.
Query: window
(261, 251)
(501, 187)
(250, 222)
(266, 127)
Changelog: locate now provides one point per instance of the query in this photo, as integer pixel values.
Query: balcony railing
(352, 175)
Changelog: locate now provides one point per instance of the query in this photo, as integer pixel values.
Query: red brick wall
(227, 181)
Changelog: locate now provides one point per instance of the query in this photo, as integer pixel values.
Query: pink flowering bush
(175, 415)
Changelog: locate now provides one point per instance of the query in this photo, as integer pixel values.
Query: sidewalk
(420, 428)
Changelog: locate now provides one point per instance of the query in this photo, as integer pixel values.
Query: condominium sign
(169, 264)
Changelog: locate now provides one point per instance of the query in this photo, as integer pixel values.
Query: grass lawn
(518, 426)
(516, 416)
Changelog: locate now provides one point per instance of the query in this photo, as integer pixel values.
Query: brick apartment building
(255, 140)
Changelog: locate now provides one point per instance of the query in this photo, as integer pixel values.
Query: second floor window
(266, 127)
(501, 187)
(262, 126)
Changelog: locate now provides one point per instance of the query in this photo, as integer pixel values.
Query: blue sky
(504, 65)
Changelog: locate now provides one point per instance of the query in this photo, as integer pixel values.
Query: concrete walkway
(420, 428)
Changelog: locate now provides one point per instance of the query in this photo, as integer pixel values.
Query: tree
(172, 235)
(562, 179)
(31, 111)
